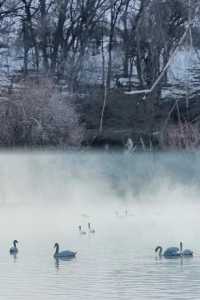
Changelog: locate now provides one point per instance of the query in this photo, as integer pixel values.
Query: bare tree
(115, 10)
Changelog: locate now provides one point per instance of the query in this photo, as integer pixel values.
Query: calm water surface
(45, 196)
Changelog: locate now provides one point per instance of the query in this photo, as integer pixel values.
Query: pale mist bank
(135, 202)
(48, 192)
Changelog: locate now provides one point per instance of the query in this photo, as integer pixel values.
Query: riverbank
(39, 114)
(149, 124)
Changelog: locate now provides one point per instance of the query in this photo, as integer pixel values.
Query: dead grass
(183, 135)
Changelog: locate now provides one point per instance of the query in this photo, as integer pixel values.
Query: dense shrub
(183, 135)
(39, 114)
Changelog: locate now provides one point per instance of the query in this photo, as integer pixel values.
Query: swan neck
(14, 244)
(159, 250)
(57, 249)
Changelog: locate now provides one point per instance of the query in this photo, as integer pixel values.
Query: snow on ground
(183, 73)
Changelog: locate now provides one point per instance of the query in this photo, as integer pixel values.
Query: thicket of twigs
(183, 135)
(38, 114)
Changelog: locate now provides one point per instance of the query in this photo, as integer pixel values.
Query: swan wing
(13, 250)
(67, 253)
(172, 251)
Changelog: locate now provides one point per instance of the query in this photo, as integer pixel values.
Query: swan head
(56, 245)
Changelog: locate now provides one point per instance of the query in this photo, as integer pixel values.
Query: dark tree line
(57, 34)
(58, 37)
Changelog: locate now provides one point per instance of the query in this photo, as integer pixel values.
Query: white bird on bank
(63, 254)
(14, 249)
(91, 230)
(129, 146)
(81, 231)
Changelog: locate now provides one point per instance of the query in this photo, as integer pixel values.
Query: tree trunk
(58, 36)
(44, 34)
(26, 47)
(30, 29)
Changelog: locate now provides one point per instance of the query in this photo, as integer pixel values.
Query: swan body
(171, 252)
(81, 231)
(185, 252)
(14, 249)
(63, 254)
(90, 229)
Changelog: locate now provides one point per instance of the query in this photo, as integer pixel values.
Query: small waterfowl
(186, 252)
(14, 249)
(172, 252)
(63, 254)
(91, 230)
(81, 231)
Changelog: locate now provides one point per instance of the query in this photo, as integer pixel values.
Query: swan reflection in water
(15, 257)
(60, 260)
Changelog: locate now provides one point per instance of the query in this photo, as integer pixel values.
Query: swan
(186, 252)
(14, 249)
(63, 254)
(90, 229)
(171, 252)
(81, 231)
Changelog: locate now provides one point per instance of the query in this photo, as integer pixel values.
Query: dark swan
(63, 254)
(172, 252)
(14, 249)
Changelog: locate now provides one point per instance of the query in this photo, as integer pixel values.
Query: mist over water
(134, 201)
